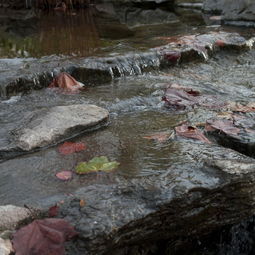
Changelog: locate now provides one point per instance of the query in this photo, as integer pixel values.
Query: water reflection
(67, 33)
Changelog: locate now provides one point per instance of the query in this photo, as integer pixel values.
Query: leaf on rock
(66, 82)
(70, 147)
(43, 237)
(223, 125)
(180, 99)
(160, 137)
(173, 56)
(96, 164)
(191, 132)
(64, 175)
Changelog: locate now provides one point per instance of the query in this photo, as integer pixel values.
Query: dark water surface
(98, 30)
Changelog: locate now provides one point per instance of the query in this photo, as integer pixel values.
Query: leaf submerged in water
(70, 147)
(96, 164)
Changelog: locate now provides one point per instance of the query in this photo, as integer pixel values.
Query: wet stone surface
(167, 188)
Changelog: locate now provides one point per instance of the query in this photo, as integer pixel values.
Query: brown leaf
(43, 237)
(160, 137)
(66, 82)
(70, 147)
(191, 132)
(64, 175)
(82, 203)
(180, 99)
(226, 126)
(53, 211)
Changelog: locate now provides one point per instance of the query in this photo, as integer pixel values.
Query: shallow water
(136, 111)
(135, 103)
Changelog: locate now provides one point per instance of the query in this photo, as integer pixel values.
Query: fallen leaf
(173, 56)
(191, 132)
(180, 99)
(96, 164)
(82, 203)
(70, 147)
(160, 137)
(220, 43)
(64, 175)
(66, 82)
(53, 211)
(223, 125)
(43, 237)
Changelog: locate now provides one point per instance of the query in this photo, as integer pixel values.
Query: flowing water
(135, 104)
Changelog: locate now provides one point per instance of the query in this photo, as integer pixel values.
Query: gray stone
(5, 247)
(47, 127)
(213, 6)
(11, 215)
(232, 10)
(239, 10)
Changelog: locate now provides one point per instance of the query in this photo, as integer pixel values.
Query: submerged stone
(48, 127)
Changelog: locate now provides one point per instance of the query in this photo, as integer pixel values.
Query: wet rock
(186, 200)
(47, 127)
(5, 247)
(244, 140)
(234, 12)
(21, 75)
(138, 16)
(239, 10)
(11, 216)
(213, 6)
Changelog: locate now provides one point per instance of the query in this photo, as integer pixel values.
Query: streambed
(136, 111)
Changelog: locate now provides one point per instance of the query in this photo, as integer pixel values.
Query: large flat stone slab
(46, 127)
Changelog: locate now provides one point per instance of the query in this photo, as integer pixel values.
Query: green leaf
(96, 164)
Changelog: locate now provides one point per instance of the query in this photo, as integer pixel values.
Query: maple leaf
(66, 82)
(96, 164)
(70, 147)
(182, 98)
(64, 175)
(43, 237)
(224, 125)
(191, 132)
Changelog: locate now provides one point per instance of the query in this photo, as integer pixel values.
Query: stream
(135, 103)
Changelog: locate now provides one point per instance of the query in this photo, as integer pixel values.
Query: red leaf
(65, 175)
(226, 126)
(172, 56)
(70, 147)
(66, 82)
(180, 98)
(43, 237)
(220, 43)
(53, 211)
(191, 132)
